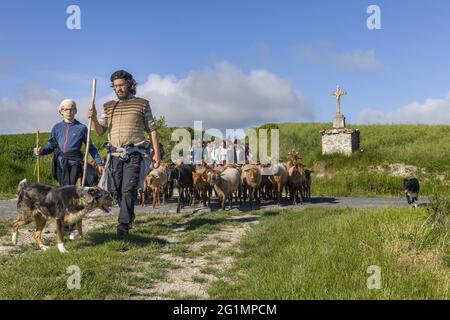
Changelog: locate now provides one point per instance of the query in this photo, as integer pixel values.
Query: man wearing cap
(65, 141)
(126, 120)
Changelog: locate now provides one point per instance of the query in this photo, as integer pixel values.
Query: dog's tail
(21, 185)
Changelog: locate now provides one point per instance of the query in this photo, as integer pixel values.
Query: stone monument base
(339, 121)
(344, 141)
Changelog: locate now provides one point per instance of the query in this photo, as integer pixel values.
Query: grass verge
(326, 253)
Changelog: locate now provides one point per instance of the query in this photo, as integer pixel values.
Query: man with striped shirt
(126, 120)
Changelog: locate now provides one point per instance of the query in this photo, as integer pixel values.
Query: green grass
(5, 226)
(316, 253)
(109, 268)
(325, 253)
(426, 147)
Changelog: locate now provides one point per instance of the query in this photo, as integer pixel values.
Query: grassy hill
(388, 152)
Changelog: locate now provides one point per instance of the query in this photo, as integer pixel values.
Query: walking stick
(38, 162)
(94, 89)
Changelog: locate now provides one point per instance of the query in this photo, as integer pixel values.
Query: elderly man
(126, 120)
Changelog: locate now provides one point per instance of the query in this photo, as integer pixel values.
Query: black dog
(412, 188)
(65, 204)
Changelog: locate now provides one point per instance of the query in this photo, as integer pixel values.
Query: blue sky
(397, 74)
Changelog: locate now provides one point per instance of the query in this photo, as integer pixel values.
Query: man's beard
(121, 95)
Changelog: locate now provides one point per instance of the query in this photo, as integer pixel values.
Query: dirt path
(191, 276)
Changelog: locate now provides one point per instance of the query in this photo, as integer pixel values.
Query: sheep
(296, 181)
(279, 181)
(251, 179)
(201, 187)
(306, 188)
(267, 186)
(156, 181)
(183, 173)
(225, 183)
(293, 159)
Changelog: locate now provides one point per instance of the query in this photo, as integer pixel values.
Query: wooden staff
(94, 89)
(38, 162)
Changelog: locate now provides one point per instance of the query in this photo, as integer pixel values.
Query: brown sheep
(251, 179)
(156, 181)
(307, 184)
(279, 181)
(201, 187)
(225, 184)
(296, 182)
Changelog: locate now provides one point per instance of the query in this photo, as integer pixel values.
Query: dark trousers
(69, 176)
(66, 177)
(124, 182)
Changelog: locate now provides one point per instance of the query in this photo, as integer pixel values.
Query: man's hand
(37, 151)
(156, 161)
(100, 170)
(92, 112)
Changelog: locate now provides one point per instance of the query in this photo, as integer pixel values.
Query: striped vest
(128, 120)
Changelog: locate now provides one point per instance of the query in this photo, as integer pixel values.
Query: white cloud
(225, 97)
(222, 97)
(36, 109)
(359, 60)
(432, 111)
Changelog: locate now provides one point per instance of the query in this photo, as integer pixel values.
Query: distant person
(223, 153)
(197, 152)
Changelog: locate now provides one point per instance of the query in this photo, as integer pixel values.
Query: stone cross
(338, 94)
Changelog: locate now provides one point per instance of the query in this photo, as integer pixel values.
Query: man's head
(123, 84)
(68, 109)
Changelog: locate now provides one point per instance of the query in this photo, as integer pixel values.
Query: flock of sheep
(243, 181)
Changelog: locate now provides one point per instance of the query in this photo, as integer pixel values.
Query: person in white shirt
(240, 153)
(198, 151)
(223, 153)
(217, 153)
(207, 153)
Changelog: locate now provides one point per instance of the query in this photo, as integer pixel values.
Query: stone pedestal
(339, 121)
(340, 140)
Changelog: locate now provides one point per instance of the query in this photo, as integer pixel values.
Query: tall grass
(325, 254)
